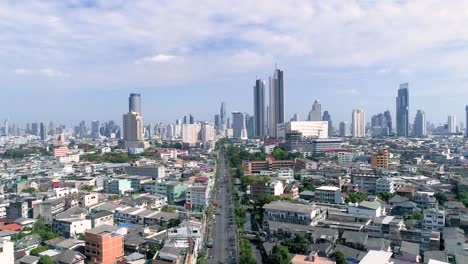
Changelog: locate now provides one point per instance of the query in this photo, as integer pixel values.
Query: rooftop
(290, 207)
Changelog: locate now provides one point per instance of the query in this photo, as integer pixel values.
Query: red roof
(12, 227)
(335, 150)
(201, 179)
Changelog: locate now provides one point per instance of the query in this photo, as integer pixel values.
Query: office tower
(228, 123)
(82, 131)
(132, 127)
(267, 121)
(191, 119)
(35, 129)
(28, 128)
(250, 126)
(402, 111)
(259, 108)
(51, 128)
(466, 123)
(388, 120)
(316, 113)
(326, 117)
(451, 124)
(95, 133)
(150, 131)
(344, 131)
(222, 115)
(419, 128)
(295, 117)
(358, 127)
(217, 122)
(43, 131)
(134, 103)
(239, 125)
(276, 101)
(4, 131)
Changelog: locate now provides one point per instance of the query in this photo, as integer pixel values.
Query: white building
(328, 194)
(452, 124)
(198, 196)
(71, 227)
(70, 158)
(358, 127)
(317, 129)
(207, 132)
(191, 133)
(434, 219)
(7, 253)
(366, 208)
(286, 175)
(385, 185)
(345, 158)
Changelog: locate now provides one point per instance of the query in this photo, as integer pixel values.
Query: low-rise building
(290, 213)
(434, 219)
(104, 244)
(328, 194)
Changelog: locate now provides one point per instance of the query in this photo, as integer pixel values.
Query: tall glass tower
(402, 111)
(276, 101)
(134, 103)
(259, 108)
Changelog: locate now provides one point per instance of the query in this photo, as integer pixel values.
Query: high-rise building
(217, 122)
(388, 121)
(316, 113)
(276, 101)
(250, 126)
(95, 129)
(51, 128)
(344, 130)
(326, 117)
(259, 108)
(43, 131)
(134, 103)
(358, 127)
(466, 123)
(452, 124)
(419, 128)
(191, 119)
(207, 132)
(239, 125)
(191, 133)
(132, 127)
(402, 111)
(295, 117)
(35, 129)
(223, 116)
(316, 129)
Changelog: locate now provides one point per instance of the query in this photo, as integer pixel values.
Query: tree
(340, 258)
(266, 199)
(415, 216)
(307, 186)
(39, 249)
(356, 197)
(45, 260)
(298, 245)
(441, 198)
(166, 208)
(88, 188)
(280, 256)
(385, 196)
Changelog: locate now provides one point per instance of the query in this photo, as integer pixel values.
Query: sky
(71, 60)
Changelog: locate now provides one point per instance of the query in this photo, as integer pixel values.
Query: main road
(224, 249)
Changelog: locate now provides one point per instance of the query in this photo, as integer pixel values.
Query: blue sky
(72, 60)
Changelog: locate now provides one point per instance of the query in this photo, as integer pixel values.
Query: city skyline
(219, 64)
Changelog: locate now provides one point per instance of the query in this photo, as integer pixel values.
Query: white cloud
(47, 72)
(347, 92)
(159, 58)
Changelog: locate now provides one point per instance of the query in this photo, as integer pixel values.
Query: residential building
(366, 182)
(155, 172)
(290, 213)
(385, 185)
(191, 133)
(88, 199)
(118, 186)
(133, 127)
(70, 227)
(358, 127)
(60, 152)
(49, 208)
(7, 253)
(273, 187)
(452, 124)
(197, 196)
(344, 129)
(175, 191)
(328, 194)
(419, 128)
(380, 159)
(104, 244)
(101, 218)
(434, 219)
(373, 209)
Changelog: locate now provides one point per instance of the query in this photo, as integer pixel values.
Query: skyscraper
(466, 123)
(133, 127)
(95, 129)
(134, 103)
(402, 111)
(43, 131)
(259, 108)
(316, 113)
(326, 117)
(358, 127)
(419, 128)
(276, 101)
(452, 124)
(239, 125)
(223, 116)
(388, 121)
(344, 131)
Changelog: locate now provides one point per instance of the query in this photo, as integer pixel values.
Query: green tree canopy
(168, 209)
(355, 197)
(280, 256)
(45, 260)
(340, 258)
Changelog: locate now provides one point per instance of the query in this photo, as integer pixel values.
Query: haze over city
(68, 61)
